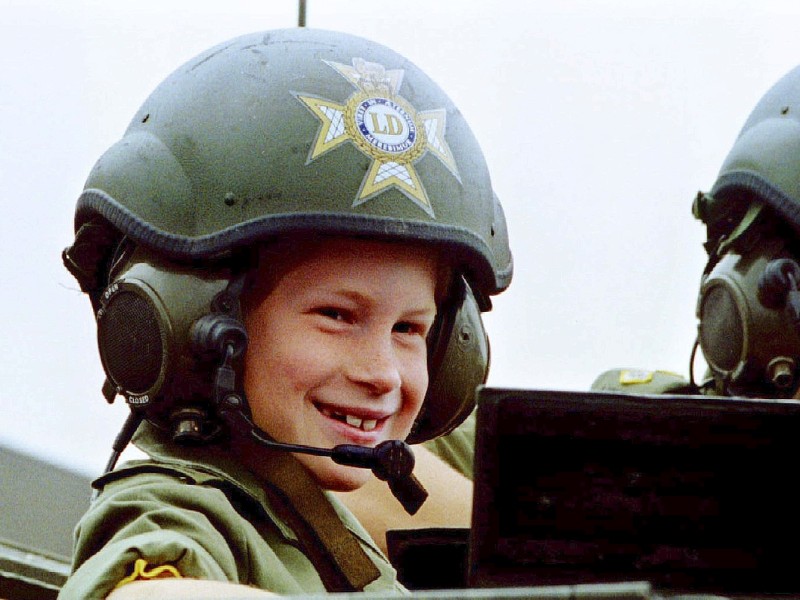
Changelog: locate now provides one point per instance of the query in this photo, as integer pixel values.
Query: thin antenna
(301, 13)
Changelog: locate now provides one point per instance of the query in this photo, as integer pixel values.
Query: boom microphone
(391, 461)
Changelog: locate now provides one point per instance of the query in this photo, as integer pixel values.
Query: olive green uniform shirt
(199, 510)
(457, 448)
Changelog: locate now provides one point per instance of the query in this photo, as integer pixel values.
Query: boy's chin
(335, 477)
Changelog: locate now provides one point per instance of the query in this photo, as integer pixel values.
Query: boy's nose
(374, 364)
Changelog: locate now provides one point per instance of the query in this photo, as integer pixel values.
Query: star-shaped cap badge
(383, 126)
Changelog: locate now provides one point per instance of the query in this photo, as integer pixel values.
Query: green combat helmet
(749, 302)
(267, 136)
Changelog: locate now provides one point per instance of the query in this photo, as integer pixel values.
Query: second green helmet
(764, 162)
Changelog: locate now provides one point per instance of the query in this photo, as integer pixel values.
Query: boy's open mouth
(352, 420)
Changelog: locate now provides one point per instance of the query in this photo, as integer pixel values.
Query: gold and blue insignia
(384, 127)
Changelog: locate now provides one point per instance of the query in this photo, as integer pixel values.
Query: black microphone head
(392, 459)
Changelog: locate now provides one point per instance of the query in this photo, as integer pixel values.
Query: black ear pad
(134, 342)
(458, 363)
(144, 332)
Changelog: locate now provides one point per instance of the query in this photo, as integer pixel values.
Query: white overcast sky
(599, 120)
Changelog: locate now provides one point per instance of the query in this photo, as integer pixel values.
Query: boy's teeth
(364, 424)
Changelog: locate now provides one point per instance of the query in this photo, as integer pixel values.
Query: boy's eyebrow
(359, 297)
(422, 311)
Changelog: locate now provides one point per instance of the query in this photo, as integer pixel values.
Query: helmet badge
(384, 127)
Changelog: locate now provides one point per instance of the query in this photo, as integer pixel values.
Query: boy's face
(337, 351)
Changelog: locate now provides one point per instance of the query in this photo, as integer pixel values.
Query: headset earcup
(459, 363)
(144, 325)
(133, 337)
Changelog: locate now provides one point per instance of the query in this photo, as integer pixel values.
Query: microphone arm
(391, 461)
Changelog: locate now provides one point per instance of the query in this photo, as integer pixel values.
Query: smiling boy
(287, 254)
(338, 349)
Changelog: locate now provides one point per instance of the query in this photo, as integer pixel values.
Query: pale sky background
(600, 120)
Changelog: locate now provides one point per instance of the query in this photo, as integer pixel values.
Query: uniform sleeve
(457, 448)
(162, 521)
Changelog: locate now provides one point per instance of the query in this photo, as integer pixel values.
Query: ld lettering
(388, 125)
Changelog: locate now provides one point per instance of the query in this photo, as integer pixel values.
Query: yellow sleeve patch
(142, 571)
(633, 376)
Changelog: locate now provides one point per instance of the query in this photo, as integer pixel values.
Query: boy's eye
(410, 328)
(331, 313)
